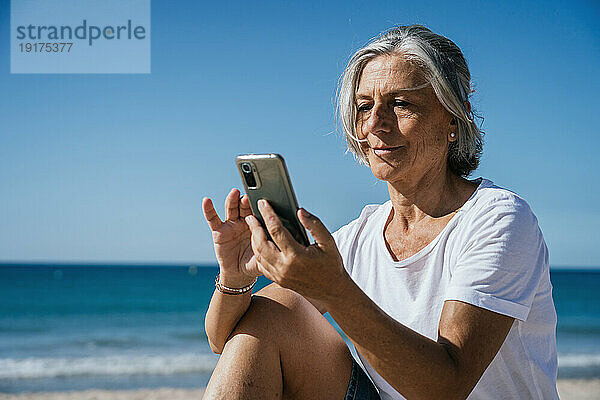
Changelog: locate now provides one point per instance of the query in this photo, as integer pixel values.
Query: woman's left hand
(316, 271)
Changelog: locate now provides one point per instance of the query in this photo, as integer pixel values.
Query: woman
(444, 290)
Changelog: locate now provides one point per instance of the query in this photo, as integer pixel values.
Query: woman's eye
(400, 103)
(364, 107)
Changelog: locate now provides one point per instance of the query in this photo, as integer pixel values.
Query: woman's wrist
(235, 280)
(234, 290)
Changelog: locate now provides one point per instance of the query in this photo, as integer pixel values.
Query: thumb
(252, 267)
(316, 228)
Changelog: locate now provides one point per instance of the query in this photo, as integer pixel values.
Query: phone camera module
(248, 175)
(246, 168)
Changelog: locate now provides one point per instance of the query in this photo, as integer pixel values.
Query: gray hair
(443, 65)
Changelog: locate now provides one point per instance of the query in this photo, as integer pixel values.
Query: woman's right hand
(231, 240)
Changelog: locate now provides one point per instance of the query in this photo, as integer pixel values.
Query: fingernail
(262, 203)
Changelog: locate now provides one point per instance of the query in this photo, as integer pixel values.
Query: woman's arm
(224, 312)
(419, 368)
(237, 266)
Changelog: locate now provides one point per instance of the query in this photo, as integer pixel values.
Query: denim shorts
(360, 386)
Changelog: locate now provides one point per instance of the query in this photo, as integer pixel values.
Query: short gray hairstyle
(443, 65)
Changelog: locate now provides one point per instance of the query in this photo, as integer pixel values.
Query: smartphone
(265, 176)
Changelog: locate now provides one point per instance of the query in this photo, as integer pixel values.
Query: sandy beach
(569, 389)
(579, 389)
(142, 394)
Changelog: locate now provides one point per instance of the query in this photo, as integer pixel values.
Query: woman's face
(407, 132)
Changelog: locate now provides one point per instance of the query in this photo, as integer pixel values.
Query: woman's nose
(379, 120)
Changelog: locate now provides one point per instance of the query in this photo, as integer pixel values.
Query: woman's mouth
(382, 151)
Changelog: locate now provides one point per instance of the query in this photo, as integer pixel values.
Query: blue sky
(109, 168)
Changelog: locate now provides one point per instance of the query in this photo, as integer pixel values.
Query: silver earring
(452, 135)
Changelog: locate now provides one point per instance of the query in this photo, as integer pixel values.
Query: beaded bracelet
(234, 291)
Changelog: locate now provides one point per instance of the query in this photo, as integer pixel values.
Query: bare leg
(282, 348)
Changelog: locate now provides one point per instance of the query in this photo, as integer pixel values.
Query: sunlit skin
(408, 134)
(411, 125)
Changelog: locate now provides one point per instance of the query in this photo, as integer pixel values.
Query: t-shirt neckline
(425, 250)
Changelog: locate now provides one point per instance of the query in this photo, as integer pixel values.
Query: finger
(245, 208)
(211, 216)
(316, 228)
(231, 205)
(281, 236)
(264, 270)
(263, 248)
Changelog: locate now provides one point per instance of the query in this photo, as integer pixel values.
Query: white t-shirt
(490, 254)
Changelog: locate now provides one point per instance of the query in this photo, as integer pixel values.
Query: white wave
(570, 360)
(29, 368)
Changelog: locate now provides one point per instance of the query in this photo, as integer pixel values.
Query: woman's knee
(275, 311)
(283, 319)
(313, 356)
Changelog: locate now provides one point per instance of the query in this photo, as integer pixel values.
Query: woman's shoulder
(491, 198)
(495, 207)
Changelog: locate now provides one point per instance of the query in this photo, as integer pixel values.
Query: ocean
(71, 327)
